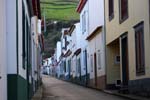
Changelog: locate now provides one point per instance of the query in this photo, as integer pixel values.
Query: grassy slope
(64, 11)
(60, 9)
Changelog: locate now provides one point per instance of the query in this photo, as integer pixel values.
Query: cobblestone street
(54, 89)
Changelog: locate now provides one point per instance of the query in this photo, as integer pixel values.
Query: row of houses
(109, 47)
(21, 46)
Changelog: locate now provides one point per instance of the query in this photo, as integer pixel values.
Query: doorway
(124, 49)
(95, 68)
(86, 68)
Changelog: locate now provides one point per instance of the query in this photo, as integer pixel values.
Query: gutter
(105, 55)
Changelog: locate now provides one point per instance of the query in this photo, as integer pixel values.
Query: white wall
(96, 14)
(83, 41)
(58, 52)
(97, 44)
(3, 68)
(11, 36)
(22, 71)
(34, 48)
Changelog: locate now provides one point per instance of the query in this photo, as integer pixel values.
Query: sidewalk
(128, 96)
(38, 94)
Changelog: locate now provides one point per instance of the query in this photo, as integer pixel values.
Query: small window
(111, 9)
(117, 59)
(123, 10)
(139, 48)
(84, 22)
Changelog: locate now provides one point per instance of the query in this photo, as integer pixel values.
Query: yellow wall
(138, 11)
(112, 70)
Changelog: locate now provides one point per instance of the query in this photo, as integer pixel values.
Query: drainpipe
(105, 45)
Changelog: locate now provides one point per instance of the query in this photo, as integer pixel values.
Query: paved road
(54, 89)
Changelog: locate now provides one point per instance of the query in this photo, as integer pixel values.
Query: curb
(127, 96)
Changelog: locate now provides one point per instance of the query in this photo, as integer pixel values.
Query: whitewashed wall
(83, 41)
(11, 36)
(3, 68)
(97, 44)
(58, 52)
(34, 49)
(96, 14)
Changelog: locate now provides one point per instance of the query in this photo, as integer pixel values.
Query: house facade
(82, 9)
(20, 77)
(3, 61)
(17, 31)
(37, 46)
(77, 70)
(59, 68)
(65, 52)
(127, 45)
(92, 30)
(96, 44)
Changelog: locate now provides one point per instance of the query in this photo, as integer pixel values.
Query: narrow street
(54, 89)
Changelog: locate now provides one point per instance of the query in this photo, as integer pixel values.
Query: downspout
(105, 46)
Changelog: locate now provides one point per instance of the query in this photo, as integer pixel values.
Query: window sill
(123, 20)
(111, 17)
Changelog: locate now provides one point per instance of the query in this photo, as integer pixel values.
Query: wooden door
(124, 47)
(95, 68)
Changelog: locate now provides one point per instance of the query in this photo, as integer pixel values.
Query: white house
(78, 45)
(65, 52)
(58, 54)
(93, 51)
(18, 32)
(19, 37)
(96, 43)
(3, 64)
(82, 8)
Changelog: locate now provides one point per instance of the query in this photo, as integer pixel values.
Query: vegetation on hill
(64, 13)
(60, 9)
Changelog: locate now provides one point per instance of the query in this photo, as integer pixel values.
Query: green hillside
(60, 9)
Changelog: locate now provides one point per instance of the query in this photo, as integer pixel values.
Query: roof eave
(81, 5)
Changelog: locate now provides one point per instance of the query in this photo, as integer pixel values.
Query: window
(84, 22)
(79, 66)
(139, 47)
(65, 70)
(91, 63)
(69, 67)
(111, 9)
(85, 58)
(123, 10)
(65, 43)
